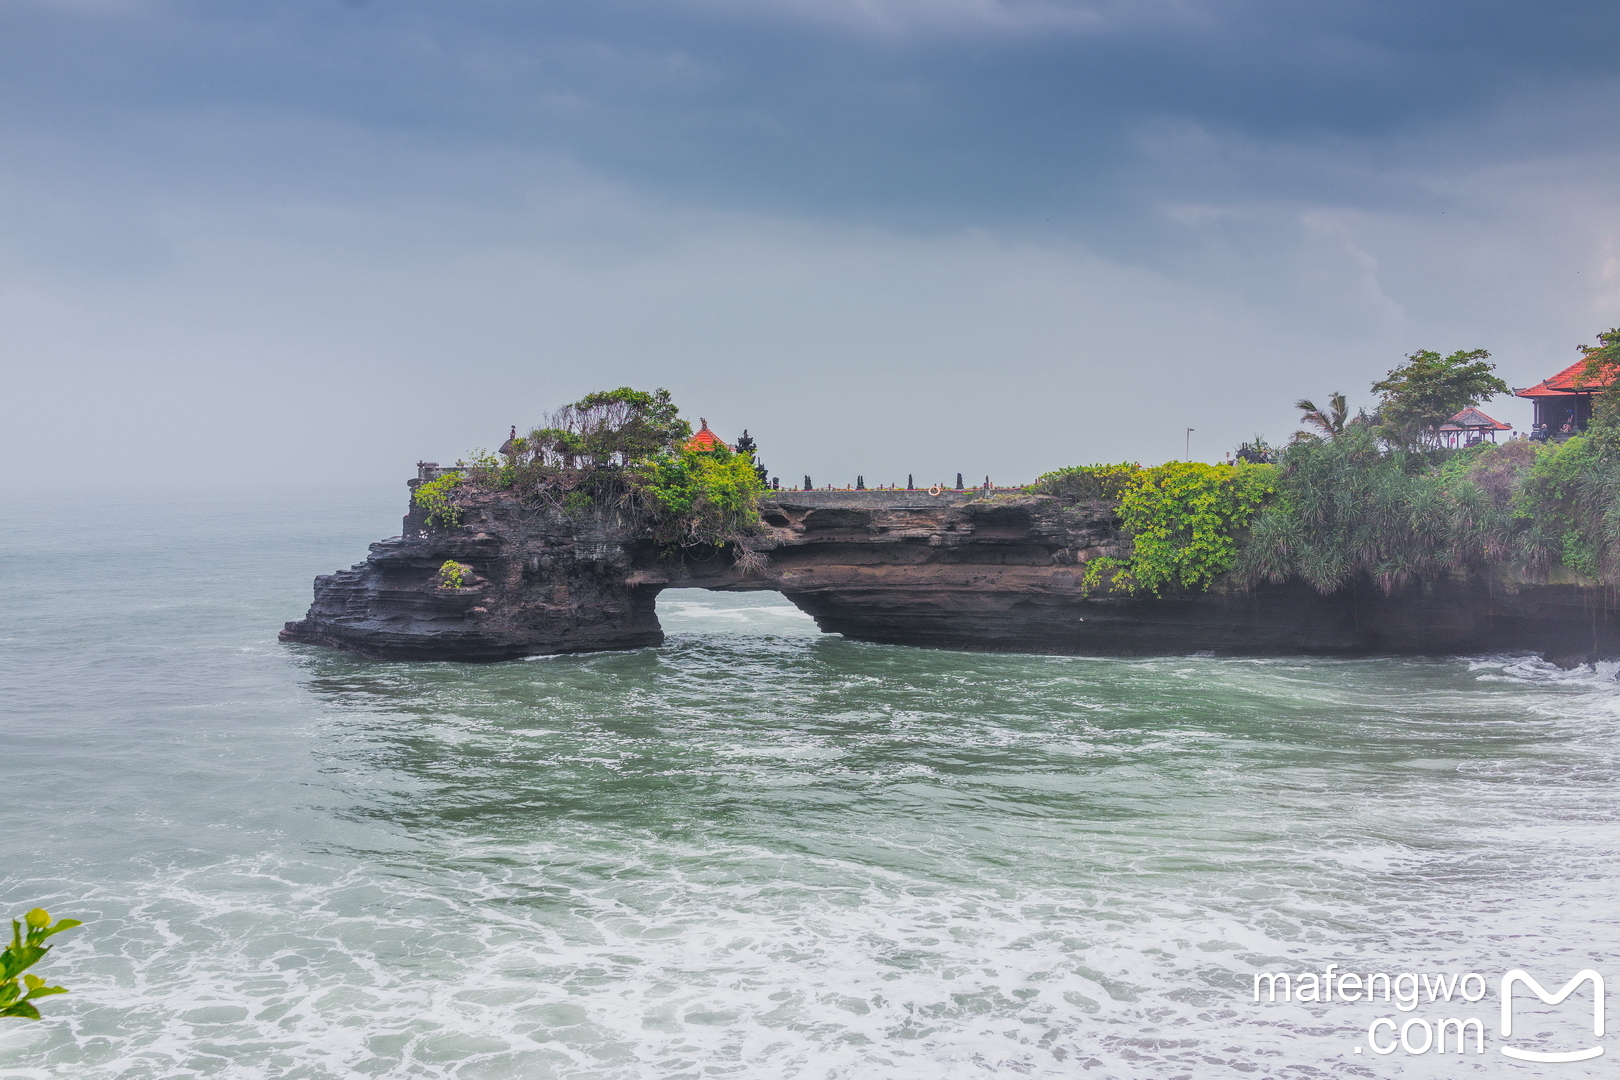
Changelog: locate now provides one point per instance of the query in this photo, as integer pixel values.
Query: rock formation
(953, 570)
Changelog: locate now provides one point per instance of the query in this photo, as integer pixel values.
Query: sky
(292, 243)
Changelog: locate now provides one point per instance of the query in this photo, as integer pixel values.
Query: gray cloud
(888, 237)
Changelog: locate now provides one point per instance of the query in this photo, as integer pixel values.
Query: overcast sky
(250, 242)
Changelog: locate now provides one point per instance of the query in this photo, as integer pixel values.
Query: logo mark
(1518, 975)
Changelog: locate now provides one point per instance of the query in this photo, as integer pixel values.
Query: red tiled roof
(704, 439)
(1563, 383)
(1472, 419)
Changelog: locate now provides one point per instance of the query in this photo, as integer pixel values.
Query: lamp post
(1186, 452)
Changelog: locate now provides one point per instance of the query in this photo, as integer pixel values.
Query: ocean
(758, 850)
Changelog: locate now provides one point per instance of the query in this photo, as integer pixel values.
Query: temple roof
(1561, 384)
(1471, 419)
(704, 439)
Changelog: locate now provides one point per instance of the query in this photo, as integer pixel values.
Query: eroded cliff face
(951, 571)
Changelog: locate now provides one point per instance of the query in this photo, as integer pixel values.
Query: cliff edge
(956, 570)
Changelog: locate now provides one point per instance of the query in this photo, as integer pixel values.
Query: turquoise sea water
(756, 851)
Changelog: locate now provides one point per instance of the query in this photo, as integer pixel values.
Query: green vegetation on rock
(701, 496)
(1184, 520)
(1085, 483)
(452, 574)
(1366, 498)
(622, 454)
(1347, 510)
(437, 498)
(1373, 497)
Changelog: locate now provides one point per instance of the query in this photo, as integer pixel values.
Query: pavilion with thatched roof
(1470, 427)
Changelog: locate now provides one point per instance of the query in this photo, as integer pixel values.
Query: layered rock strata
(952, 571)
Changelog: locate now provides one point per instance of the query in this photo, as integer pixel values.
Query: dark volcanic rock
(951, 571)
(542, 582)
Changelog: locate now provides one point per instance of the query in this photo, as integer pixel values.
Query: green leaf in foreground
(19, 990)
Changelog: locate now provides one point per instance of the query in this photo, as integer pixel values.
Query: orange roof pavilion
(705, 439)
(1565, 382)
(1563, 403)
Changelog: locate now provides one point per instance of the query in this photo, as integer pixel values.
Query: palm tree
(1329, 422)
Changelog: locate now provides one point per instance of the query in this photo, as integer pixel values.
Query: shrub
(1086, 483)
(1184, 520)
(617, 452)
(701, 496)
(435, 496)
(608, 427)
(452, 574)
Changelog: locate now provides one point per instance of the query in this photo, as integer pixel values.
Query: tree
(1602, 366)
(1427, 390)
(609, 427)
(1330, 422)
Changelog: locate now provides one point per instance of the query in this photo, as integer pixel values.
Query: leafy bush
(701, 496)
(1086, 483)
(1497, 470)
(19, 991)
(434, 496)
(452, 574)
(618, 452)
(1258, 452)
(1184, 520)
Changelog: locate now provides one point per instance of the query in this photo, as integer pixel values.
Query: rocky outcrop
(954, 570)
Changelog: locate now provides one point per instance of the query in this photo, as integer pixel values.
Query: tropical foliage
(1602, 365)
(1364, 498)
(1374, 499)
(1347, 510)
(607, 428)
(701, 496)
(1256, 452)
(18, 989)
(1427, 390)
(1328, 422)
(1084, 483)
(1569, 504)
(621, 453)
(1184, 520)
(437, 498)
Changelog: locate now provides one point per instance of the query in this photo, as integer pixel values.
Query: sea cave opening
(756, 613)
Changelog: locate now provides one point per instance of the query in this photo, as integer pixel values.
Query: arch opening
(754, 613)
